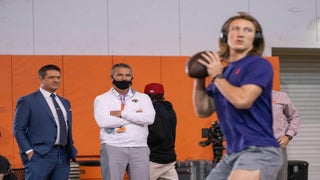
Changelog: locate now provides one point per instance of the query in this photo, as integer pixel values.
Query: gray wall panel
(16, 27)
(144, 27)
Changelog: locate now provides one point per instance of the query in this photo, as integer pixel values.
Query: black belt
(58, 146)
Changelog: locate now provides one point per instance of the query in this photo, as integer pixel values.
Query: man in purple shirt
(240, 94)
(286, 122)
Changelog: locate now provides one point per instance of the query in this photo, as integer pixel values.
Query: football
(194, 69)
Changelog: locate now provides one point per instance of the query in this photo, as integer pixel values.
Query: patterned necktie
(62, 123)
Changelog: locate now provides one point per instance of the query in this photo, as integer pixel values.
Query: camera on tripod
(213, 135)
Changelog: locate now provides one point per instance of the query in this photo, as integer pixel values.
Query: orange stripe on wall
(85, 77)
(274, 60)
(6, 135)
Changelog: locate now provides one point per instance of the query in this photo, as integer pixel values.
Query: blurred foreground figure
(240, 94)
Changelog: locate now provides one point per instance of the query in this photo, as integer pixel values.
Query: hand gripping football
(194, 69)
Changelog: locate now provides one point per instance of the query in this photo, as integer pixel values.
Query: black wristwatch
(289, 137)
(219, 76)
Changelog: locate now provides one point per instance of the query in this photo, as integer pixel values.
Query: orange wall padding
(6, 137)
(85, 77)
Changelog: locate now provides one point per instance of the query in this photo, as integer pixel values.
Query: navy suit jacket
(35, 128)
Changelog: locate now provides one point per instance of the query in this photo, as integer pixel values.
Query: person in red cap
(162, 135)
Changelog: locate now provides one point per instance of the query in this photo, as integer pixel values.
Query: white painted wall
(146, 27)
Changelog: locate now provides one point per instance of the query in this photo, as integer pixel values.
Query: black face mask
(122, 84)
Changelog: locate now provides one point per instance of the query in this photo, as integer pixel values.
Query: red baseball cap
(154, 88)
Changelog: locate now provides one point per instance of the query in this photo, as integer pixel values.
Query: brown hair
(258, 43)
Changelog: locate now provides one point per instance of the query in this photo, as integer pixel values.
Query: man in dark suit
(43, 129)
